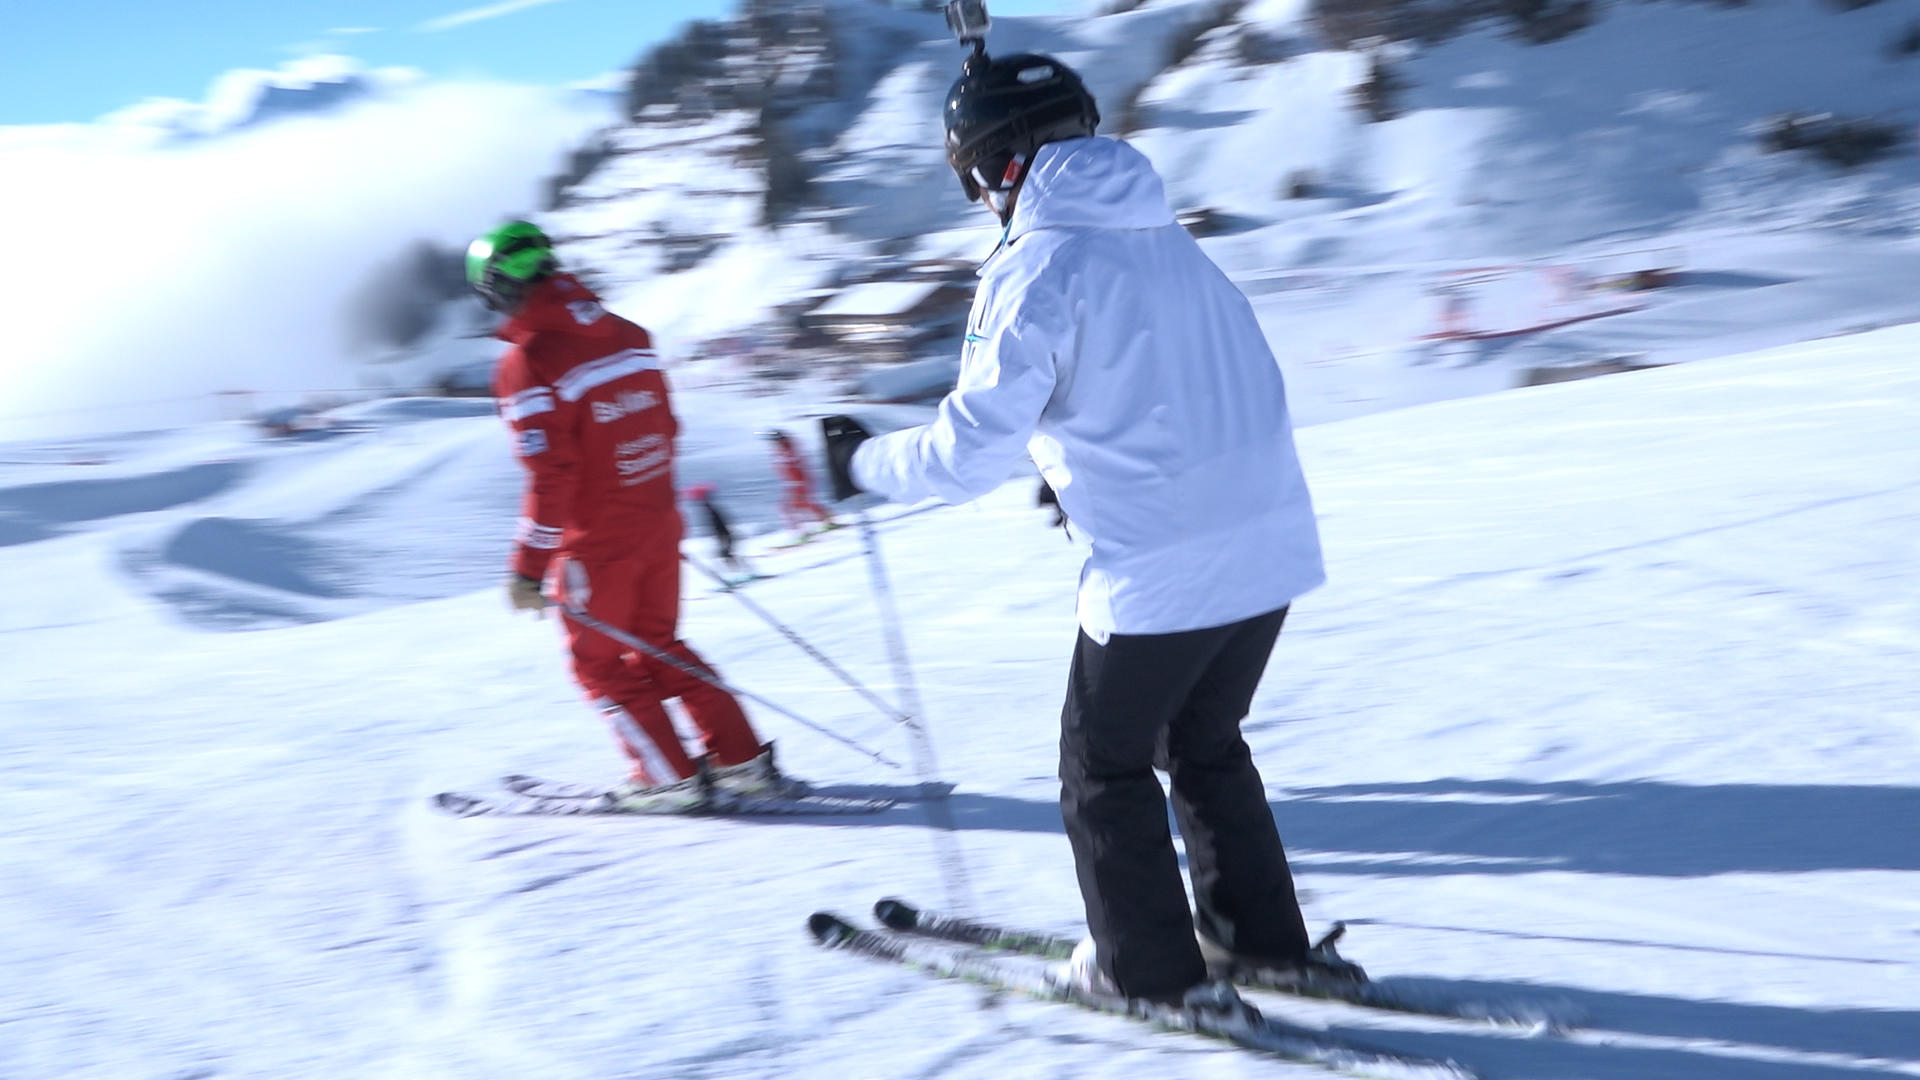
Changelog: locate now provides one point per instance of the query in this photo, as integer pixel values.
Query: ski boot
(1212, 1004)
(760, 775)
(1321, 965)
(699, 793)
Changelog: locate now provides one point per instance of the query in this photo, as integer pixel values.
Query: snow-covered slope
(1610, 698)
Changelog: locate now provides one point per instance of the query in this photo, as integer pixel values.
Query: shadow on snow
(1503, 826)
(1632, 828)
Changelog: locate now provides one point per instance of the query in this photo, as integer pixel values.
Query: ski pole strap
(708, 677)
(885, 708)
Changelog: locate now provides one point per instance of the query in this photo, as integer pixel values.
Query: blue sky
(75, 60)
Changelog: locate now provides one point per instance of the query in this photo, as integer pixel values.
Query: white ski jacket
(1106, 344)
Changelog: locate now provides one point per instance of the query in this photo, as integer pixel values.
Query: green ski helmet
(507, 261)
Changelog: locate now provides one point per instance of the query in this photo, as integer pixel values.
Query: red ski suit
(582, 390)
(797, 507)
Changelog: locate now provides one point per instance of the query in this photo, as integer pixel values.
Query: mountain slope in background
(1519, 182)
(1482, 235)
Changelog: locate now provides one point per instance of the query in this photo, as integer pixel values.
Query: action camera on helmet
(969, 21)
(1001, 110)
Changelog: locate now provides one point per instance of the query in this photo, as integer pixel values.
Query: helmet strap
(999, 199)
(505, 295)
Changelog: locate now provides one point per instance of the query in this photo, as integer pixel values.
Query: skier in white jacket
(1105, 344)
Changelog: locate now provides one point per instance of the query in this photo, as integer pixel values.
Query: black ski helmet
(1003, 107)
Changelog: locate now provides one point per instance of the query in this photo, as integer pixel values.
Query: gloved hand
(1046, 497)
(525, 595)
(842, 435)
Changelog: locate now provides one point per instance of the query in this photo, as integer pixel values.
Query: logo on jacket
(642, 459)
(532, 441)
(628, 403)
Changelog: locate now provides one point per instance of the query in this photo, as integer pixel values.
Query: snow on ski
(607, 804)
(539, 787)
(1266, 1036)
(729, 583)
(904, 917)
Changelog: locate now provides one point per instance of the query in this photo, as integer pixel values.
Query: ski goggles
(994, 178)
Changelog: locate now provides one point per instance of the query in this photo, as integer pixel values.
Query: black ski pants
(1174, 701)
(722, 535)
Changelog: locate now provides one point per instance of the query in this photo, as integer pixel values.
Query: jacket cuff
(860, 477)
(534, 545)
(531, 562)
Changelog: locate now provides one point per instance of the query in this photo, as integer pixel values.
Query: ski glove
(524, 594)
(842, 435)
(1046, 497)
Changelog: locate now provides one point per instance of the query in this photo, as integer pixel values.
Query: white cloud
(343, 31)
(610, 82)
(165, 273)
(479, 14)
(233, 96)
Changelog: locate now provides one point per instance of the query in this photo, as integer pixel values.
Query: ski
(612, 804)
(732, 582)
(801, 538)
(1261, 1034)
(901, 916)
(541, 788)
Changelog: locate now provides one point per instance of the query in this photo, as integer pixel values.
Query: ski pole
(708, 677)
(953, 861)
(886, 709)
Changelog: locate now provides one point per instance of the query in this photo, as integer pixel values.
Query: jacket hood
(1094, 182)
(552, 307)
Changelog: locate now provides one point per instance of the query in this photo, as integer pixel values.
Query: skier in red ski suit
(583, 392)
(797, 507)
